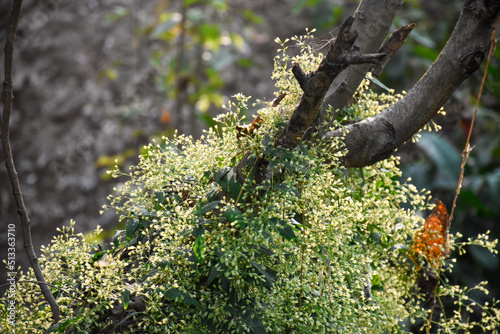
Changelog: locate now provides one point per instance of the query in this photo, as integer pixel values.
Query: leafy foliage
(211, 246)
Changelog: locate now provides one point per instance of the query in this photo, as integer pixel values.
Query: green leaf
(281, 186)
(61, 326)
(208, 207)
(178, 295)
(283, 228)
(124, 320)
(117, 236)
(254, 321)
(298, 218)
(125, 298)
(266, 251)
(163, 30)
(425, 52)
(221, 178)
(303, 149)
(379, 83)
(287, 232)
(252, 17)
(286, 188)
(131, 228)
(244, 62)
(117, 14)
(233, 214)
(159, 197)
(444, 155)
(209, 32)
(199, 230)
(214, 273)
(97, 256)
(268, 273)
(133, 241)
(472, 199)
(234, 189)
(226, 179)
(198, 246)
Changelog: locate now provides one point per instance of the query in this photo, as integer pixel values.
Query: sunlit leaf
(198, 246)
(125, 298)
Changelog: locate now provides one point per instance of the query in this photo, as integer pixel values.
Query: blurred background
(96, 80)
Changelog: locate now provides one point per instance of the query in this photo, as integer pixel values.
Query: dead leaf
(431, 241)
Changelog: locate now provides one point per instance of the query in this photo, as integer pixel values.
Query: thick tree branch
(376, 138)
(7, 98)
(316, 84)
(373, 19)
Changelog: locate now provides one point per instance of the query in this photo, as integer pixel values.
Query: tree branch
(376, 138)
(316, 84)
(373, 19)
(7, 98)
(391, 46)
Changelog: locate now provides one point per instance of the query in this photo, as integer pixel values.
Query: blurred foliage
(323, 14)
(190, 47)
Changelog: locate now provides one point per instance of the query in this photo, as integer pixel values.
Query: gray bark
(316, 84)
(376, 138)
(373, 19)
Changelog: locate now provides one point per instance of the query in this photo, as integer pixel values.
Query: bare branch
(370, 58)
(376, 138)
(316, 84)
(372, 21)
(391, 46)
(7, 98)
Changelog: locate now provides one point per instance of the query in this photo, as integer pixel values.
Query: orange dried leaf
(431, 241)
(247, 130)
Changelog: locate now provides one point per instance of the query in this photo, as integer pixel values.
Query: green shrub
(213, 245)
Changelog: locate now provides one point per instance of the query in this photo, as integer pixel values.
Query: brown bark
(316, 84)
(373, 19)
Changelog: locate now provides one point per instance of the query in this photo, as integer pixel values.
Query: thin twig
(7, 98)
(465, 156)
(468, 149)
